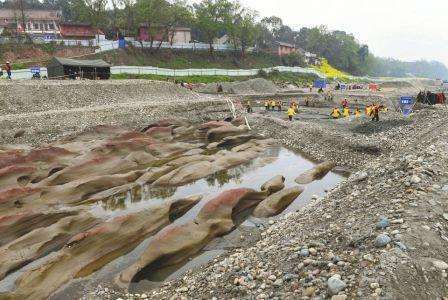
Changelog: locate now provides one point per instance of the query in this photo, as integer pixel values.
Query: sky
(403, 29)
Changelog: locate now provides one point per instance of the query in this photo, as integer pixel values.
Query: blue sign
(121, 43)
(35, 70)
(406, 105)
(320, 83)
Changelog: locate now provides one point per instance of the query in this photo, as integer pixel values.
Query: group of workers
(272, 104)
(372, 111)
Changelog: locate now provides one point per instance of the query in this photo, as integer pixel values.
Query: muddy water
(274, 161)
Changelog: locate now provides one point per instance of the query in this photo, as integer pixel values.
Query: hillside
(182, 59)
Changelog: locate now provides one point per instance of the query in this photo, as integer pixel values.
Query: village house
(282, 49)
(41, 23)
(180, 35)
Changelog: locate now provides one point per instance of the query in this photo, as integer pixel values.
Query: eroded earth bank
(142, 190)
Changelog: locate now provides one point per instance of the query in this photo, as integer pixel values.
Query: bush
(294, 60)
(262, 73)
(274, 73)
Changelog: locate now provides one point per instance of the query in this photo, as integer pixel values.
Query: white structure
(37, 22)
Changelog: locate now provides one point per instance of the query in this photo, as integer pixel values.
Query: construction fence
(135, 70)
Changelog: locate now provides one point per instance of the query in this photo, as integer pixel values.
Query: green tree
(243, 31)
(213, 17)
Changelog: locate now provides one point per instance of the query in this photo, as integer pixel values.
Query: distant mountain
(396, 68)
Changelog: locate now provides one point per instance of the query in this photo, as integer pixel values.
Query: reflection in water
(274, 161)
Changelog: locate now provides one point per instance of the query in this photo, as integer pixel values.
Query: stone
(312, 251)
(439, 264)
(339, 297)
(383, 223)
(309, 291)
(445, 216)
(415, 179)
(382, 240)
(304, 252)
(318, 172)
(401, 246)
(335, 284)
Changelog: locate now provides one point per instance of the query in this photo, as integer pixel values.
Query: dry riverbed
(190, 207)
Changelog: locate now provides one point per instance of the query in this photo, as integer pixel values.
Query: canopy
(60, 68)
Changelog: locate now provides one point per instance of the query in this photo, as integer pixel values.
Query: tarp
(94, 63)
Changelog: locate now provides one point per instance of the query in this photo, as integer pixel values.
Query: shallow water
(274, 161)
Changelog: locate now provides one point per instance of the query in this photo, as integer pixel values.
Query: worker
(272, 105)
(8, 69)
(375, 113)
(344, 103)
(335, 113)
(357, 113)
(291, 112)
(249, 107)
(368, 110)
(295, 106)
(279, 105)
(266, 105)
(346, 112)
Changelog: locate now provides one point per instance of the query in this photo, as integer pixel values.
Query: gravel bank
(47, 110)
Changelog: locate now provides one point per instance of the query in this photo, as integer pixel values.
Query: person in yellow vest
(266, 104)
(335, 113)
(272, 105)
(346, 112)
(368, 110)
(291, 112)
(357, 113)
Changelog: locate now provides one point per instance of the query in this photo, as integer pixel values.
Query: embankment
(42, 111)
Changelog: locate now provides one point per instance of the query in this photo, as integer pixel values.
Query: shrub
(262, 73)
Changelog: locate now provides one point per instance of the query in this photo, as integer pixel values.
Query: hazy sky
(404, 29)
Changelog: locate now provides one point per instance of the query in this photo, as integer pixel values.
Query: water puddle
(274, 161)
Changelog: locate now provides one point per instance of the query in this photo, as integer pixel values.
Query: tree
(243, 31)
(179, 14)
(213, 17)
(153, 13)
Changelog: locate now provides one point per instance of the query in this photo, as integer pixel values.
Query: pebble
(439, 264)
(445, 216)
(335, 284)
(383, 223)
(339, 297)
(382, 240)
(304, 252)
(415, 179)
(309, 291)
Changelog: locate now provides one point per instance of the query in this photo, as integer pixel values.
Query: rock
(276, 203)
(445, 216)
(382, 240)
(19, 133)
(397, 221)
(339, 297)
(309, 291)
(445, 188)
(335, 284)
(313, 251)
(176, 242)
(439, 264)
(318, 172)
(274, 185)
(383, 223)
(401, 246)
(415, 179)
(304, 252)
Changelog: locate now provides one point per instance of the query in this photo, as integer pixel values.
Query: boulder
(232, 141)
(186, 174)
(276, 203)
(177, 242)
(160, 133)
(90, 250)
(274, 185)
(217, 134)
(16, 175)
(318, 172)
(39, 242)
(74, 192)
(14, 226)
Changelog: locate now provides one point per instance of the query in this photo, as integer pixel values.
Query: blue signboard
(320, 83)
(121, 43)
(35, 70)
(406, 105)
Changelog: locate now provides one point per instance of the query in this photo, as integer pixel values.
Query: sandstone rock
(274, 185)
(277, 202)
(318, 172)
